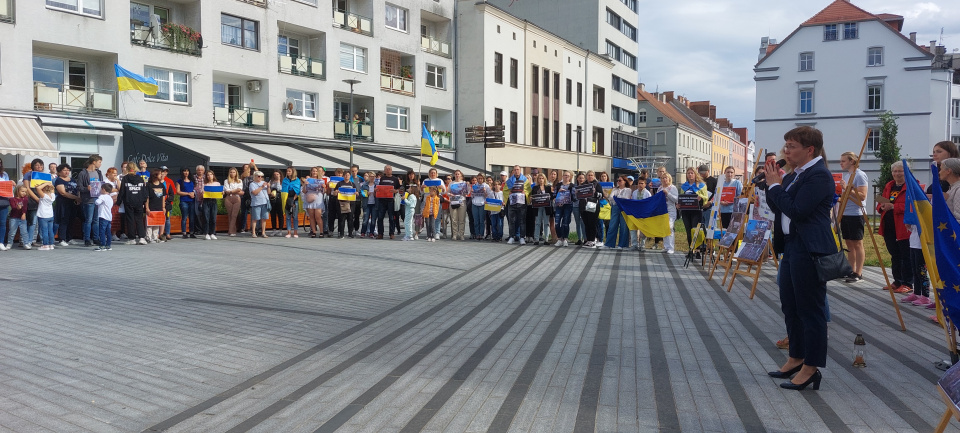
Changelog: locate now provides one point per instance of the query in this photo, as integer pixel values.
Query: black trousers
(385, 208)
(136, 224)
(803, 303)
(276, 215)
(901, 264)
(357, 206)
(244, 211)
(530, 222)
(690, 220)
(589, 223)
(346, 221)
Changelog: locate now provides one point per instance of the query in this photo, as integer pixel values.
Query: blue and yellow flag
(918, 211)
(945, 274)
(127, 80)
(38, 178)
(214, 192)
(493, 205)
(427, 147)
(347, 194)
(648, 215)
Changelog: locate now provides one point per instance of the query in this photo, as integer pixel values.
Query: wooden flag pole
(883, 269)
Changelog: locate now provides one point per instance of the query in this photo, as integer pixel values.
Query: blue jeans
(46, 230)
(385, 208)
(89, 219)
(618, 227)
(562, 220)
(542, 221)
(369, 218)
(106, 227)
(13, 225)
(186, 213)
(578, 220)
(31, 227)
(210, 216)
(479, 220)
(496, 225)
(517, 214)
(293, 221)
(4, 211)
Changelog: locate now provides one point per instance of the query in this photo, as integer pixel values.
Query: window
(226, 95)
(806, 101)
(513, 126)
(435, 76)
(172, 85)
(140, 14)
(535, 80)
(623, 86)
(556, 134)
(397, 118)
(956, 108)
(598, 99)
(621, 24)
(535, 132)
(850, 31)
(632, 4)
(353, 58)
(546, 133)
(875, 56)
(514, 70)
(85, 7)
(569, 134)
(642, 116)
(806, 62)
(498, 68)
(956, 139)
(288, 46)
(556, 86)
(659, 119)
(395, 18)
(629, 60)
(546, 82)
(874, 97)
(305, 104)
(498, 116)
(569, 91)
(661, 139)
(830, 32)
(623, 115)
(873, 140)
(239, 32)
(579, 94)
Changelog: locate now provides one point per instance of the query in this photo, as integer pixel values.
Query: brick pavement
(313, 335)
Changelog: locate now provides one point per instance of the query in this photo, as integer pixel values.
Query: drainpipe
(586, 82)
(456, 81)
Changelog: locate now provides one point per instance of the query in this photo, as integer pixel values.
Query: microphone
(759, 178)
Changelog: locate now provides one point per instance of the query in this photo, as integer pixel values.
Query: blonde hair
(696, 174)
(851, 156)
(667, 178)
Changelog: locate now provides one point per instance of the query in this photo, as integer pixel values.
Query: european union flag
(947, 249)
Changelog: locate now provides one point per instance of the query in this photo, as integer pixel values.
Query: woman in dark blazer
(801, 202)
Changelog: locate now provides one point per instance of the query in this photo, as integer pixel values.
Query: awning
(80, 126)
(139, 144)
(444, 165)
(23, 136)
(301, 157)
(223, 154)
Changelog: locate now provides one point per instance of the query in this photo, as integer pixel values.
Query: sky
(706, 49)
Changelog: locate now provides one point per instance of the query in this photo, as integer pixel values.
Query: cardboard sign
(540, 200)
(586, 190)
(95, 186)
(347, 194)
(563, 197)
(38, 178)
(6, 190)
(384, 191)
(493, 205)
(432, 184)
(458, 188)
(214, 192)
(688, 202)
(728, 194)
(478, 189)
(838, 181)
(156, 218)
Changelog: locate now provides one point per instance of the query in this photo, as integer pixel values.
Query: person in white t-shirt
(104, 205)
(851, 223)
(45, 216)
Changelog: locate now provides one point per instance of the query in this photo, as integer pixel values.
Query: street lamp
(351, 82)
(579, 131)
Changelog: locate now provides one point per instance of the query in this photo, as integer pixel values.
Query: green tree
(889, 151)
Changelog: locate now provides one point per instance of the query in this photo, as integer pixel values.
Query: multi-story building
(839, 70)
(237, 79)
(606, 27)
(550, 95)
(673, 129)
(729, 146)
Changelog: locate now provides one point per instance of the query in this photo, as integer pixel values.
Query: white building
(264, 81)
(838, 71)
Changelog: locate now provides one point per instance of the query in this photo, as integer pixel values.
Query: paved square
(322, 335)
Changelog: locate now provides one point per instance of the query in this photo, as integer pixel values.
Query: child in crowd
(431, 211)
(496, 218)
(636, 237)
(45, 216)
(104, 205)
(17, 218)
(411, 206)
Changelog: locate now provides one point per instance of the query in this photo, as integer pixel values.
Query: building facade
(842, 68)
(673, 129)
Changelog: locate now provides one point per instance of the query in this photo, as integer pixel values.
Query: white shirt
(784, 219)
(105, 207)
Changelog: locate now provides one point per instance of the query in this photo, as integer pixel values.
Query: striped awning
(23, 136)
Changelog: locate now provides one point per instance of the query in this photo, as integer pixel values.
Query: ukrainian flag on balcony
(427, 147)
(648, 215)
(127, 80)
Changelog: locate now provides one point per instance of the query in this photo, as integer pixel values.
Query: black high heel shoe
(785, 374)
(815, 380)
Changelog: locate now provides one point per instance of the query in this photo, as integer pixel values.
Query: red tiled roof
(666, 109)
(840, 11)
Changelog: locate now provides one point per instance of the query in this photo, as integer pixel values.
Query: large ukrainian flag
(648, 215)
(427, 147)
(127, 80)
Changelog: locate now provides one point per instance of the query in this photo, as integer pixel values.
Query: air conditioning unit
(253, 86)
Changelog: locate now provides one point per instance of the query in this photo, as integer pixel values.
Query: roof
(670, 111)
(703, 125)
(840, 11)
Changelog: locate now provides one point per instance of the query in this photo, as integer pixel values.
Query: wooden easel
(753, 268)
(724, 257)
(842, 204)
(951, 412)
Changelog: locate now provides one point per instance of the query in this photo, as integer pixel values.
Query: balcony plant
(181, 37)
(406, 72)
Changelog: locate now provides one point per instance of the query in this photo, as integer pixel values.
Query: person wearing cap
(259, 198)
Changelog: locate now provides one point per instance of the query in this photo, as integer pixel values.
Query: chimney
(913, 37)
(641, 87)
(713, 112)
(668, 96)
(933, 46)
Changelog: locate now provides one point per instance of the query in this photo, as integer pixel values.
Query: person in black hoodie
(133, 197)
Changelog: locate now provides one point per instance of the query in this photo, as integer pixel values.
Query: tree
(889, 151)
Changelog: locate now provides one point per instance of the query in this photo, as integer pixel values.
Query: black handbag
(832, 266)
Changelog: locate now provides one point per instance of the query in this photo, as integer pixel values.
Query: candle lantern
(859, 351)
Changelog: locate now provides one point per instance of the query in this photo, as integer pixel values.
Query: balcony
(362, 131)
(74, 99)
(396, 84)
(240, 117)
(353, 22)
(435, 46)
(442, 140)
(176, 38)
(261, 3)
(6, 11)
(302, 66)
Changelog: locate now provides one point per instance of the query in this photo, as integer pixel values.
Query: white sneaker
(214, 237)
(27, 246)
(115, 238)
(63, 243)
(522, 241)
(131, 242)
(437, 236)
(566, 242)
(207, 237)
(558, 244)
(3, 247)
(510, 241)
(143, 241)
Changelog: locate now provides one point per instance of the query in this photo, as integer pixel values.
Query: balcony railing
(393, 83)
(438, 47)
(241, 117)
(302, 66)
(85, 100)
(443, 142)
(353, 22)
(261, 3)
(362, 131)
(176, 42)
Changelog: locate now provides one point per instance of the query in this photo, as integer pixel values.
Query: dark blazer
(807, 203)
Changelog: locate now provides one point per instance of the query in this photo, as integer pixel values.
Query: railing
(353, 22)
(175, 42)
(362, 131)
(396, 84)
(261, 3)
(85, 100)
(302, 66)
(443, 142)
(241, 117)
(430, 45)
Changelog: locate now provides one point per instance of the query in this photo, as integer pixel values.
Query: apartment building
(673, 129)
(238, 80)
